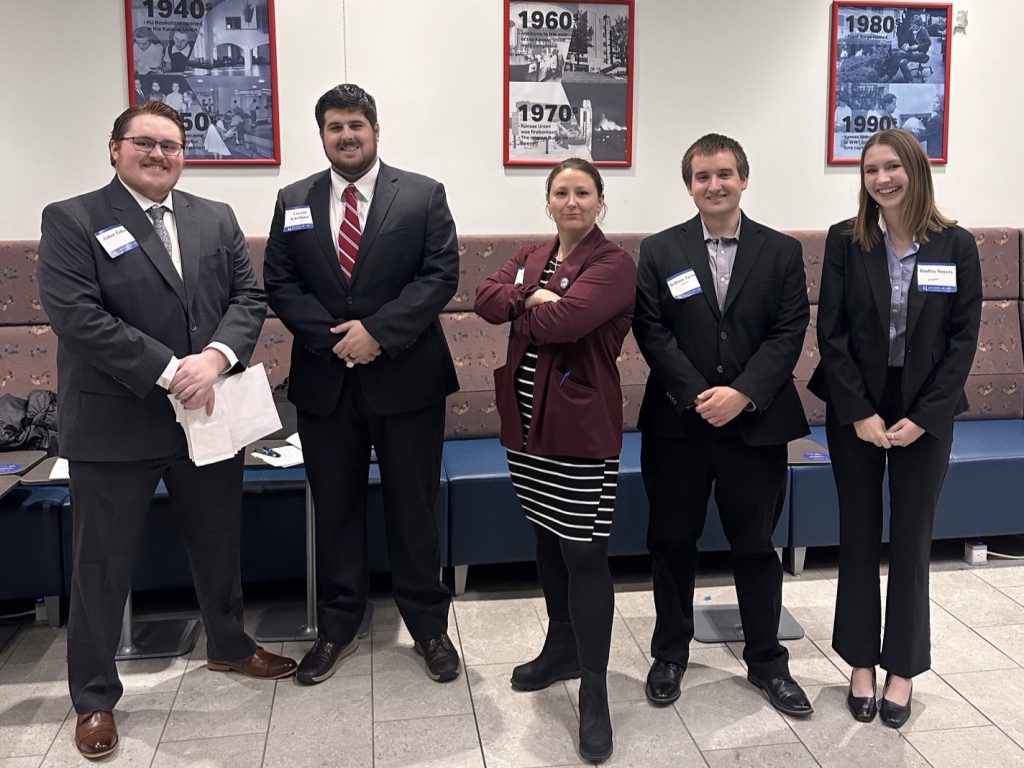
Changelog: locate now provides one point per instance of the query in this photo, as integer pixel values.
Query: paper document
(287, 456)
(59, 470)
(243, 412)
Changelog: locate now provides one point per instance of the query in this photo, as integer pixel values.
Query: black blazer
(406, 272)
(853, 330)
(752, 345)
(119, 320)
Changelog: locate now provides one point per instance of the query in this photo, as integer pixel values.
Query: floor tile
(499, 631)
(774, 756)
(1000, 576)
(1009, 639)
(31, 714)
(807, 664)
(49, 671)
(434, 742)
(627, 667)
(721, 709)
(40, 644)
(635, 603)
(975, 602)
(836, 740)
(521, 729)
(212, 704)
(937, 706)
(650, 737)
(403, 691)
(152, 675)
(1014, 593)
(968, 747)
(21, 762)
(330, 724)
(225, 752)
(357, 664)
(140, 721)
(958, 648)
(812, 602)
(387, 620)
(999, 695)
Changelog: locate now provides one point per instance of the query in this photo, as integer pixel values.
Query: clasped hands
(192, 384)
(720, 405)
(357, 346)
(901, 434)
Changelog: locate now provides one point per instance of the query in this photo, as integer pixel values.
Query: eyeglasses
(147, 145)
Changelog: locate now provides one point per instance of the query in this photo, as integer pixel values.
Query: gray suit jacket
(118, 320)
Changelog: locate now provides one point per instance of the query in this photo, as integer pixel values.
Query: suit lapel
(917, 299)
(747, 250)
(691, 236)
(383, 196)
(135, 220)
(320, 208)
(188, 226)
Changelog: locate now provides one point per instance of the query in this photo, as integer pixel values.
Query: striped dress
(569, 496)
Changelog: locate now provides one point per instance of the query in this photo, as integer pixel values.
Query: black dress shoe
(441, 657)
(892, 714)
(663, 682)
(863, 708)
(321, 661)
(784, 693)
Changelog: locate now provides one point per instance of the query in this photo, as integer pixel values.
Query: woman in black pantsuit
(898, 320)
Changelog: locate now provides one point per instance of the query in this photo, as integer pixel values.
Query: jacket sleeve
(498, 298)
(935, 404)
(771, 366)
(290, 298)
(604, 288)
(399, 322)
(846, 388)
(670, 366)
(70, 292)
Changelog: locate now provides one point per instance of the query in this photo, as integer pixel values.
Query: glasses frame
(135, 139)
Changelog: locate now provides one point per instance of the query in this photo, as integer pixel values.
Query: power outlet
(975, 553)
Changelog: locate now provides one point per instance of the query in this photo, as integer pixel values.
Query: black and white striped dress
(569, 496)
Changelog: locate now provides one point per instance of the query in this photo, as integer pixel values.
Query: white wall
(755, 69)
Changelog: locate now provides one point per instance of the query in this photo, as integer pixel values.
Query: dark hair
(575, 164)
(712, 144)
(918, 213)
(346, 96)
(156, 108)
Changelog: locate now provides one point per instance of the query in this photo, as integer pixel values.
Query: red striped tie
(349, 234)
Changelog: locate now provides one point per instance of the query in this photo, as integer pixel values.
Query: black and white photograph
(890, 69)
(214, 62)
(568, 84)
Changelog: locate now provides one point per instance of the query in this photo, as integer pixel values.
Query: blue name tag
(9, 469)
(816, 456)
(298, 217)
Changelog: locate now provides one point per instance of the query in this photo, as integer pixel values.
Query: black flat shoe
(892, 714)
(863, 708)
(663, 681)
(785, 694)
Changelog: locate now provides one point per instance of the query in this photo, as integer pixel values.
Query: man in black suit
(361, 260)
(720, 318)
(149, 291)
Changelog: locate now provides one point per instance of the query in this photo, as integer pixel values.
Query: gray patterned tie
(156, 215)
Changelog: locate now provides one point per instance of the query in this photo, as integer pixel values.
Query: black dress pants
(750, 487)
(336, 449)
(916, 473)
(110, 501)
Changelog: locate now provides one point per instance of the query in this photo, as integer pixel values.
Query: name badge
(683, 285)
(936, 278)
(520, 275)
(299, 217)
(116, 240)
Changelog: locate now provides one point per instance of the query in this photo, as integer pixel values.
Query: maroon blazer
(577, 399)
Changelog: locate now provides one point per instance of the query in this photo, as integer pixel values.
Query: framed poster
(569, 82)
(215, 62)
(890, 69)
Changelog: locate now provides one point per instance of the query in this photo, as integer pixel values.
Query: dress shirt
(364, 185)
(901, 273)
(721, 255)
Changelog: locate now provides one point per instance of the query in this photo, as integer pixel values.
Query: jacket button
(193, 327)
(723, 335)
(349, 300)
(719, 368)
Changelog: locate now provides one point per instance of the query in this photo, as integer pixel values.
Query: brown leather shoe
(96, 734)
(262, 664)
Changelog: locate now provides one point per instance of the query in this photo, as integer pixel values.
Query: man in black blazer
(361, 260)
(146, 302)
(720, 317)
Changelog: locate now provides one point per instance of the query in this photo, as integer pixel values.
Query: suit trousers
(109, 503)
(916, 473)
(750, 487)
(336, 448)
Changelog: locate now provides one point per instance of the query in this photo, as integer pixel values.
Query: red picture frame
(215, 61)
(568, 82)
(889, 68)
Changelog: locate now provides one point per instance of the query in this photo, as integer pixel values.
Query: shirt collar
(708, 236)
(364, 184)
(914, 245)
(144, 202)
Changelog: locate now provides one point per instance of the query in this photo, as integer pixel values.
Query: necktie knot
(156, 213)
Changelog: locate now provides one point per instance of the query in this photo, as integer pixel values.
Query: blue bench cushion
(31, 563)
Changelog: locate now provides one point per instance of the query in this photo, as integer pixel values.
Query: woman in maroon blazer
(569, 303)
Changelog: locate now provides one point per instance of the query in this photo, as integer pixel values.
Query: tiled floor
(381, 710)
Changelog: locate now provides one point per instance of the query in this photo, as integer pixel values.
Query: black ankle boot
(558, 660)
(595, 720)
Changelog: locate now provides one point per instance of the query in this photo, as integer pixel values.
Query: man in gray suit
(361, 259)
(150, 292)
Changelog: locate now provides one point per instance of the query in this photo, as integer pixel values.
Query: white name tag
(299, 217)
(683, 285)
(520, 275)
(116, 240)
(936, 278)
